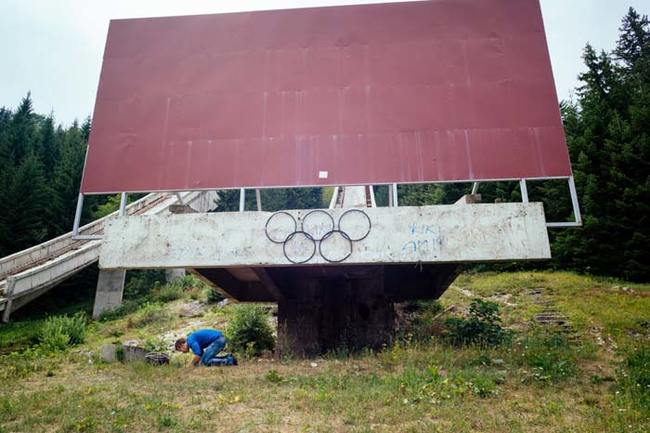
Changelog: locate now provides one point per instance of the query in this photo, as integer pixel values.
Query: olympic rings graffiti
(299, 245)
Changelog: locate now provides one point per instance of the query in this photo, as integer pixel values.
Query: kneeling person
(206, 345)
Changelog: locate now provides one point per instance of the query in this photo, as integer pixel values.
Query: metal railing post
(123, 204)
(524, 190)
(574, 200)
(242, 200)
(258, 199)
(77, 215)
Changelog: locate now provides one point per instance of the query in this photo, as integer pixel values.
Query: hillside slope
(578, 360)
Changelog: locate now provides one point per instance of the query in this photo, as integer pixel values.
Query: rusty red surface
(445, 90)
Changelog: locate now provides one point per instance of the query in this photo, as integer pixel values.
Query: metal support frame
(258, 199)
(574, 203)
(373, 203)
(524, 190)
(335, 194)
(180, 199)
(242, 199)
(393, 201)
(123, 204)
(87, 237)
(77, 215)
(576, 209)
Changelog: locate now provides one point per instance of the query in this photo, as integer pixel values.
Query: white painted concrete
(453, 233)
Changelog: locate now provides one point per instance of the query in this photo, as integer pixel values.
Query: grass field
(586, 370)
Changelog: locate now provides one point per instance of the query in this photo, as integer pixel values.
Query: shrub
(140, 283)
(169, 292)
(212, 296)
(425, 306)
(190, 281)
(118, 312)
(249, 331)
(157, 345)
(481, 327)
(149, 313)
(59, 332)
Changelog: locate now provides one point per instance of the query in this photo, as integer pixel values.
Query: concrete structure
(403, 235)
(110, 288)
(28, 274)
(332, 288)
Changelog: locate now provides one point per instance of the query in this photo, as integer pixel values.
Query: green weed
(273, 376)
(483, 326)
(169, 292)
(633, 377)
(550, 356)
(59, 332)
(148, 314)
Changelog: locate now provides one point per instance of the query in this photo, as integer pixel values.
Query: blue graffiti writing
(425, 230)
(429, 245)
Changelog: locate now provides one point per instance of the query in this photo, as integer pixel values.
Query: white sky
(55, 48)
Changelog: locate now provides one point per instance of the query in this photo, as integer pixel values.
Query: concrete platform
(403, 235)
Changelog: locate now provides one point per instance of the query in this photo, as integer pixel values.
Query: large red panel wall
(444, 90)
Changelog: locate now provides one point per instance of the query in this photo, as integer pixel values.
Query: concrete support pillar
(7, 311)
(174, 274)
(110, 288)
(330, 314)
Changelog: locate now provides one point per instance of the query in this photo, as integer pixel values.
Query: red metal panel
(445, 90)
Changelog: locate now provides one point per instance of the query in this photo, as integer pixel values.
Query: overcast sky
(55, 48)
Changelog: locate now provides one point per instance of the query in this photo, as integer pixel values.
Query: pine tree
(24, 129)
(67, 179)
(85, 129)
(49, 145)
(633, 47)
(28, 196)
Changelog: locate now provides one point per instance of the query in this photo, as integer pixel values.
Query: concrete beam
(234, 288)
(427, 234)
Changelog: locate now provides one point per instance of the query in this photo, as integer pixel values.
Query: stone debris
(192, 309)
(466, 292)
(503, 299)
(109, 353)
(223, 303)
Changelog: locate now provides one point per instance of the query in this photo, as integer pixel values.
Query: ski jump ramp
(28, 274)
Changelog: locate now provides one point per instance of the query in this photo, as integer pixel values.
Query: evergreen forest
(607, 125)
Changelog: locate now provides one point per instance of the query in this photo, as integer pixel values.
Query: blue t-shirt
(199, 340)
